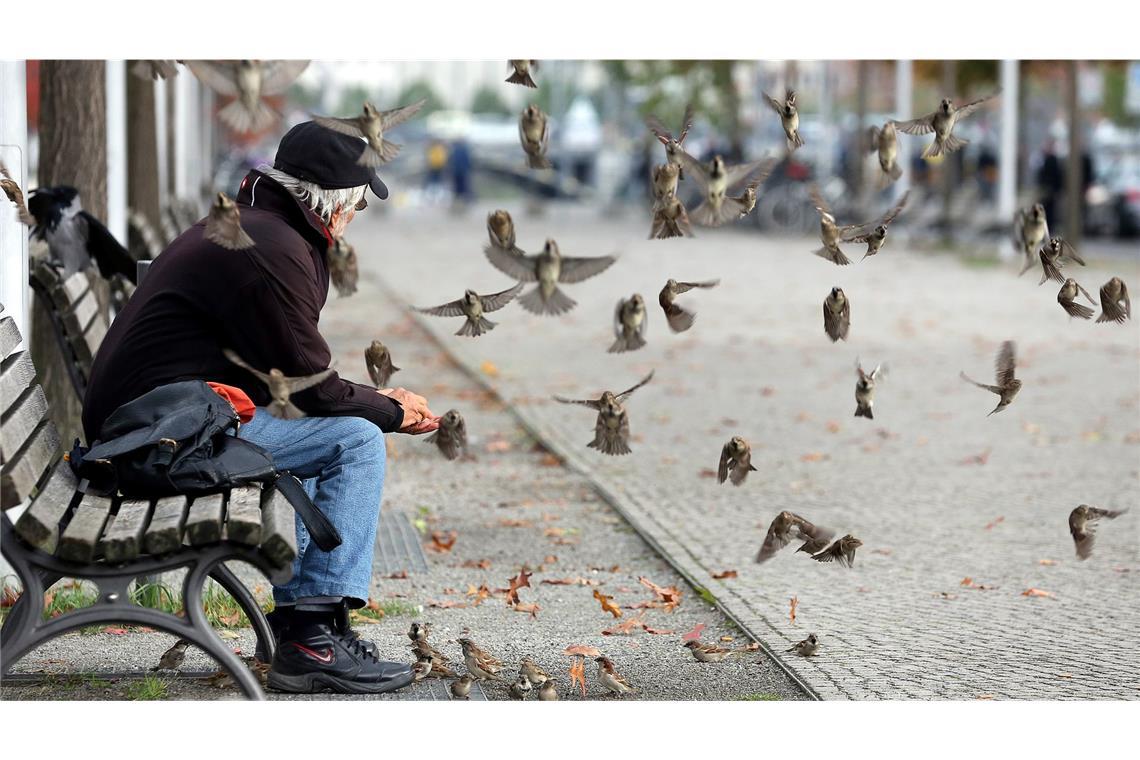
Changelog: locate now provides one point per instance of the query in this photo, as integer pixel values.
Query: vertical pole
(904, 94)
(162, 148)
(144, 182)
(855, 146)
(949, 160)
(1007, 156)
(117, 150)
(825, 97)
(14, 152)
(1074, 174)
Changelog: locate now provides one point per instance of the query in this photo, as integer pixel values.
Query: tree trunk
(949, 160)
(1074, 171)
(142, 148)
(73, 151)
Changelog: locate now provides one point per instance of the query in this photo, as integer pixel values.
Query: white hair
(322, 201)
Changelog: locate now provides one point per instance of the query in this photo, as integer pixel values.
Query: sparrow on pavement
(501, 230)
(1112, 294)
(942, 122)
(1067, 297)
(680, 319)
(1082, 525)
(378, 362)
(789, 117)
(865, 390)
(548, 269)
(709, 652)
(473, 306)
(281, 387)
(12, 189)
(842, 551)
(480, 664)
(372, 125)
(611, 432)
(836, 315)
(1007, 384)
(629, 324)
(536, 675)
(418, 633)
(451, 436)
(172, 658)
(1053, 255)
(223, 225)
(715, 180)
(534, 134)
(786, 526)
(461, 688)
(421, 668)
(1030, 231)
(521, 72)
(874, 238)
(884, 141)
(673, 149)
(521, 688)
(610, 678)
(807, 647)
(735, 461)
(548, 691)
(670, 219)
(343, 269)
(247, 82)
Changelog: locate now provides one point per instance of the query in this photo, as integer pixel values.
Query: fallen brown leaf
(1038, 592)
(583, 649)
(608, 604)
(571, 582)
(998, 521)
(707, 472)
(442, 542)
(489, 369)
(398, 576)
(550, 559)
(522, 580)
(1047, 562)
(668, 596)
(792, 604)
(727, 639)
(694, 634)
(578, 673)
(814, 456)
(555, 532)
(833, 426)
(549, 460)
(498, 446)
(509, 523)
(533, 609)
(114, 631)
(446, 604)
(722, 575)
(482, 564)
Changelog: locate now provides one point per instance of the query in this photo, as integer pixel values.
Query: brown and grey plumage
(343, 268)
(629, 324)
(473, 306)
(875, 236)
(548, 269)
(480, 664)
(1030, 231)
(1067, 297)
(884, 141)
(534, 134)
(372, 124)
(247, 82)
(786, 526)
(521, 688)
(609, 678)
(548, 691)
(378, 362)
(223, 225)
(151, 69)
(680, 319)
(501, 230)
(172, 658)
(670, 219)
(829, 231)
(1082, 526)
(611, 432)
(735, 461)
(12, 189)
(715, 180)
(663, 180)
(424, 650)
(836, 315)
(1113, 294)
(521, 72)
(841, 551)
(451, 436)
(710, 652)
(461, 688)
(942, 122)
(1007, 384)
(807, 647)
(865, 390)
(673, 149)
(532, 672)
(789, 117)
(1053, 255)
(280, 386)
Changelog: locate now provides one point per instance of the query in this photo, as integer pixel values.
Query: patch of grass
(68, 597)
(223, 611)
(398, 607)
(156, 596)
(147, 689)
(706, 595)
(420, 522)
(760, 697)
(980, 262)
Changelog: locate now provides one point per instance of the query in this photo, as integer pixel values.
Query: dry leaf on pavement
(608, 604)
(583, 649)
(442, 542)
(578, 673)
(1038, 592)
(724, 574)
(792, 604)
(694, 634)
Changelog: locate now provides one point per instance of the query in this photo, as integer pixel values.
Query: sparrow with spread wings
(473, 306)
(611, 433)
(1007, 384)
(786, 526)
(673, 149)
(248, 82)
(789, 117)
(280, 386)
(715, 180)
(372, 125)
(942, 122)
(547, 269)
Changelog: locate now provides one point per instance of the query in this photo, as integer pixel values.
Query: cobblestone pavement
(937, 491)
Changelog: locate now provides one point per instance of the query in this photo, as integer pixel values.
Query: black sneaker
(316, 656)
(280, 618)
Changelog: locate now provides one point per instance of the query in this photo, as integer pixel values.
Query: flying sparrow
(281, 387)
(663, 179)
(223, 225)
(611, 432)
(865, 390)
(942, 122)
(501, 230)
(521, 72)
(789, 117)
(1112, 294)
(1030, 231)
(1067, 297)
(680, 319)
(172, 658)
(1082, 525)
(451, 436)
(532, 672)
(343, 269)
(1053, 255)
(829, 232)
(673, 149)
(875, 238)
(461, 688)
(716, 180)
(534, 133)
(786, 526)
(480, 664)
(884, 141)
(12, 189)
(378, 362)
(735, 459)
(1007, 385)
(709, 652)
(609, 678)
(548, 691)
(670, 219)
(521, 688)
(473, 306)
(807, 647)
(548, 269)
(372, 125)
(247, 82)
(836, 315)
(629, 324)
(841, 551)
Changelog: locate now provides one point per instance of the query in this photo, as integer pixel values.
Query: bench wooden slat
(165, 531)
(23, 471)
(39, 524)
(19, 422)
(16, 374)
(87, 344)
(243, 516)
(9, 336)
(123, 539)
(78, 317)
(64, 294)
(204, 524)
(81, 536)
(278, 528)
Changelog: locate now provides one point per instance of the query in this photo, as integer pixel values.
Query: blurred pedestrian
(987, 172)
(1050, 180)
(436, 163)
(459, 166)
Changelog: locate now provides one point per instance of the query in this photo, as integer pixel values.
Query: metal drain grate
(398, 546)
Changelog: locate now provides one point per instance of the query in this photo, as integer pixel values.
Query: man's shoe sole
(313, 683)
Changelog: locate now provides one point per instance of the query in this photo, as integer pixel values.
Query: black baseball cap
(319, 155)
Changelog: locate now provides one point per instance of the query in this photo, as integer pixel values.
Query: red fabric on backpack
(237, 398)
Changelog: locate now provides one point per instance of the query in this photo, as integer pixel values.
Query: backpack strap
(321, 530)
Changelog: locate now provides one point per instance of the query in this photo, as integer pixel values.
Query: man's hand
(418, 418)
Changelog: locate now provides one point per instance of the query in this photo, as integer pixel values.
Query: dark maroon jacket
(263, 302)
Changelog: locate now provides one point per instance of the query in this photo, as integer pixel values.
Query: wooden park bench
(67, 532)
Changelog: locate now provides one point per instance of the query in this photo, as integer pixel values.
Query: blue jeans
(341, 461)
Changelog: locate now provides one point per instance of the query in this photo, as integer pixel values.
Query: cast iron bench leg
(245, 599)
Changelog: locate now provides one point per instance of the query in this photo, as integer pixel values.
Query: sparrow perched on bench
(534, 134)
(942, 122)
(451, 435)
(521, 72)
(371, 125)
(223, 225)
(480, 664)
(611, 432)
(680, 319)
(807, 647)
(1007, 384)
(789, 117)
(247, 82)
(735, 461)
(172, 658)
(1067, 297)
(548, 269)
(281, 387)
(473, 306)
(629, 324)
(378, 362)
(1082, 526)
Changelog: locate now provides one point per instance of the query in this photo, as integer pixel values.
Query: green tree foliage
(488, 100)
(668, 86)
(419, 90)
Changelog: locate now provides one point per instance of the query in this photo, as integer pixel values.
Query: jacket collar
(260, 191)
